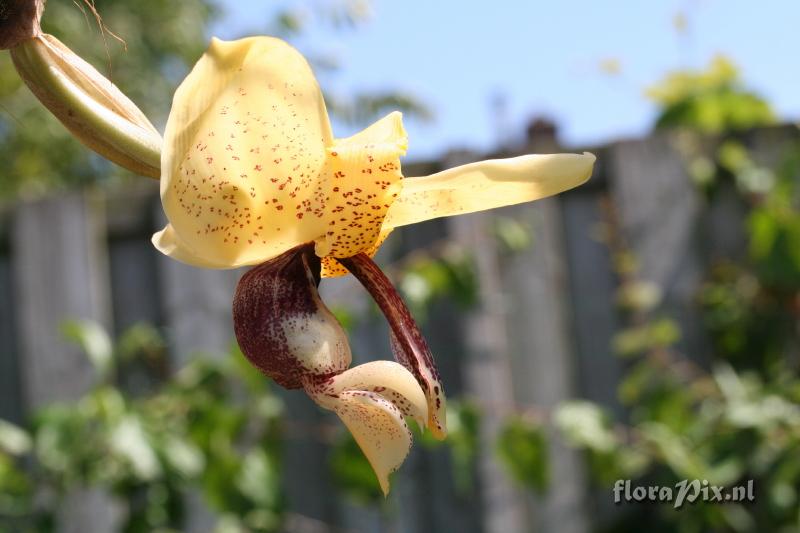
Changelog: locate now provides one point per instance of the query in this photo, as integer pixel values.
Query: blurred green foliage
(522, 448)
(713, 109)
(710, 101)
(739, 418)
(214, 427)
(440, 272)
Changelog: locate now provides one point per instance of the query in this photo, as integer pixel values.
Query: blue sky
(543, 57)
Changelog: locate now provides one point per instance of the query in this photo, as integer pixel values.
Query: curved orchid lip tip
(372, 400)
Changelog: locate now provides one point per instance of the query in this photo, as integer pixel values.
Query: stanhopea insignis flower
(252, 175)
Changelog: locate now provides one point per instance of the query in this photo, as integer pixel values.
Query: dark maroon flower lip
(277, 314)
(285, 330)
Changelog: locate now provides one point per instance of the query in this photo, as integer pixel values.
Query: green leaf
(513, 234)
(711, 100)
(94, 341)
(522, 448)
(352, 472)
(182, 456)
(660, 333)
(584, 424)
(129, 440)
(13, 439)
(259, 478)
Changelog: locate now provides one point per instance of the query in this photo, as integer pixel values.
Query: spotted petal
(244, 148)
(486, 185)
(371, 399)
(379, 429)
(387, 378)
(365, 179)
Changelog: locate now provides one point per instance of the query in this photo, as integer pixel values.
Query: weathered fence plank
(11, 405)
(536, 294)
(488, 376)
(60, 272)
(659, 209)
(592, 296)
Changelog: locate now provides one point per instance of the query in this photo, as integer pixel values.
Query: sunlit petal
(379, 429)
(168, 243)
(332, 268)
(365, 179)
(386, 378)
(486, 185)
(244, 148)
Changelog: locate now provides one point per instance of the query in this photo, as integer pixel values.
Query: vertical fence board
(659, 209)
(197, 308)
(60, 273)
(11, 407)
(134, 280)
(488, 376)
(536, 292)
(594, 318)
(592, 295)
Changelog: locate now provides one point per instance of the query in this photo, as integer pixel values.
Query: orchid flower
(251, 174)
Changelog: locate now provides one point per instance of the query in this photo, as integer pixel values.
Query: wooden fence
(540, 335)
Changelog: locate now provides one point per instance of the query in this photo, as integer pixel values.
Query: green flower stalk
(89, 105)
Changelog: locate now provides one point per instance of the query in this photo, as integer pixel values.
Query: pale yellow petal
(486, 185)
(331, 268)
(364, 179)
(389, 379)
(168, 243)
(379, 429)
(244, 150)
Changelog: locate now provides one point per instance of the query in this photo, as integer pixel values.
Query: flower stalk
(89, 105)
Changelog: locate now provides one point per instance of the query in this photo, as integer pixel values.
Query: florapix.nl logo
(684, 491)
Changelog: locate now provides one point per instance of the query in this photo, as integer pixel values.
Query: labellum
(285, 330)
